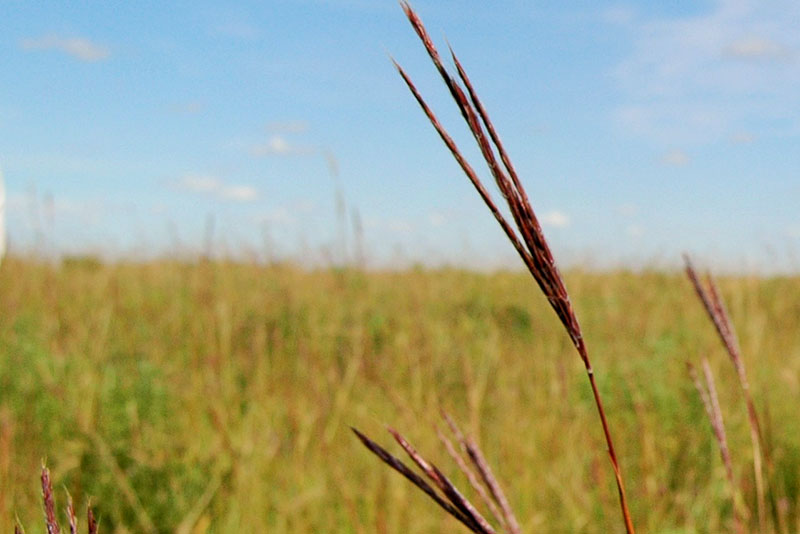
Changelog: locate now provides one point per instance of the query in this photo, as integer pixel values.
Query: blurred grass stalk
(708, 294)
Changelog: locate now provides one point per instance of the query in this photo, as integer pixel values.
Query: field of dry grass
(216, 397)
(197, 397)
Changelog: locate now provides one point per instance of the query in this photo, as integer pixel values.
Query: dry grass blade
(415, 479)
(715, 308)
(474, 482)
(73, 521)
(468, 170)
(51, 523)
(535, 251)
(487, 476)
(528, 238)
(708, 395)
(49, 503)
(444, 484)
(91, 521)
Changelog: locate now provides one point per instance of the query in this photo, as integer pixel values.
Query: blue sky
(640, 129)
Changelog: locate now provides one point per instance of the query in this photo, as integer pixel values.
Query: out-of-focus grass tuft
(217, 396)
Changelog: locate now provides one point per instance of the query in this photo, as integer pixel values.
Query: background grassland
(216, 397)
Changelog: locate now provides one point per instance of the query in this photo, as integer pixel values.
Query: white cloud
(743, 138)
(675, 158)
(211, 185)
(277, 145)
(32, 206)
(756, 48)
(436, 219)
(627, 210)
(793, 231)
(292, 126)
(280, 215)
(400, 226)
(189, 107)
(697, 78)
(198, 183)
(240, 193)
(554, 218)
(618, 15)
(675, 120)
(77, 47)
(287, 213)
(634, 231)
(159, 208)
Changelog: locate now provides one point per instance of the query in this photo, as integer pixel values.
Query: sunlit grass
(217, 396)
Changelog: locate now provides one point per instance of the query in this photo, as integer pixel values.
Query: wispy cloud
(80, 48)
(697, 78)
(197, 183)
(400, 226)
(756, 48)
(189, 107)
(278, 145)
(555, 218)
(634, 231)
(437, 219)
(627, 210)
(290, 126)
(279, 215)
(88, 211)
(675, 158)
(742, 138)
(213, 186)
(286, 214)
(618, 15)
(239, 193)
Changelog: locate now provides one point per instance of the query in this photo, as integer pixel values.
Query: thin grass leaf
(487, 476)
(473, 480)
(415, 479)
(444, 484)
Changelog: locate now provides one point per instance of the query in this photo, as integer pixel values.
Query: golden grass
(215, 397)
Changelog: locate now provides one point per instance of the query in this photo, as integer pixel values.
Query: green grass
(217, 396)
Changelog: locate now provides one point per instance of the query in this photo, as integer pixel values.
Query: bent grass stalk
(528, 238)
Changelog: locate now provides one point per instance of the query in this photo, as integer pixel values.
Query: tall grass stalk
(708, 395)
(715, 308)
(528, 238)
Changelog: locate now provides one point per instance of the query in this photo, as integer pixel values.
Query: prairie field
(218, 397)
